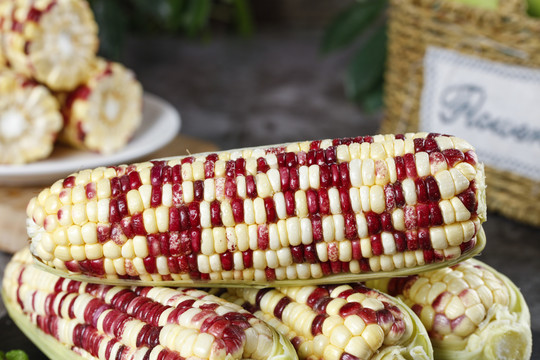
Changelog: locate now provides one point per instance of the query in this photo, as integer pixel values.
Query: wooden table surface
(13, 200)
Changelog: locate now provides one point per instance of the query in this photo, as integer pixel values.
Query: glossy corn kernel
(338, 322)
(29, 119)
(64, 317)
(102, 114)
(300, 211)
(51, 41)
(470, 311)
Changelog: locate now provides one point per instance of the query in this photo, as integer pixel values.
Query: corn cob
(364, 207)
(105, 322)
(338, 322)
(470, 310)
(51, 41)
(29, 119)
(103, 113)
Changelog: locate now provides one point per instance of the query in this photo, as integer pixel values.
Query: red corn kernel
(466, 246)
(240, 167)
(410, 166)
(325, 176)
(69, 182)
(184, 217)
(351, 231)
(399, 137)
(270, 274)
(319, 157)
(192, 262)
(310, 157)
(400, 197)
(316, 295)
(183, 264)
(386, 221)
(316, 225)
(432, 188)
(290, 205)
(368, 315)
(315, 145)
(411, 221)
(453, 156)
(215, 213)
(125, 224)
(373, 223)
(227, 261)
(90, 189)
(284, 177)
(336, 267)
(349, 309)
(137, 224)
(333, 252)
(164, 243)
(116, 187)
(208, 169)
(310, 254)
(271, 215)
(364, 265)
(155, 199)
(290, 160)
(230, 169)
(187, 160)
(344, 171)
(401, 172)
(198, 190)
(376, 244)
(418, 144)
(430, 145)
(114, 214)
(230, 188)
(262, 165)
(471, 158)
(389, 197)
(116, 234)
(469, 200)
(401, 241)
(280, 306)
(251, 188)
(177, 174)
(166, 175)
(174, 243)
(317, 324)
(302, 158)
(185, 243)
(312, 201)
(424, 240)
(297, 253)
(174, 219)
(429, 257)
(212, 157)
(103, 233)
(247, 257)
(155, 175)
(356, 250)
(325, 267)
(294, 179)
(134, 180)
(336, 142)
(422, 215)
(262, 237)
(281, 159)
(336, 177)
(237, 206)
(177, 194)
(421, 190)
(412, 239)
(344, 199)
(154, 248)
(324, 201)
(331, 155)
(150, 264)
(195, 236)
(435, 214)
(194, 214)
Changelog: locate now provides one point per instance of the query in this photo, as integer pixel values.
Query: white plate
(161, 123)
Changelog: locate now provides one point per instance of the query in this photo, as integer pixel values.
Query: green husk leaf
(283, 349)
(16, 355)
(330, 279)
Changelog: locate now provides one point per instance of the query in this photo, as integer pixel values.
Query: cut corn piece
(98, 321)
(338, 321)
(102, 114)
(470, 310)
(51, 41)
(29, 119)
(172, 228)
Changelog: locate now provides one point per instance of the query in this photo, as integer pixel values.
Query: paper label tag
(494, 106)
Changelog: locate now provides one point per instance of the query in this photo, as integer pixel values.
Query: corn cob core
(52, 41)
(29, 119)
(108, 322)
(292, 211)
(467, 307)
(103, 113)
(346, 322)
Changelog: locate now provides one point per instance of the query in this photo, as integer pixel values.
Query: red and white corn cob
(51, 41)
(29, 119)
(470, 310)
(366, 206)
(346, 322)
(105, 322)
(102, 114)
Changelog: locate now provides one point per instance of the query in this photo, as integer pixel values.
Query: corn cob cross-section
(29, 119)
(470, 310)
(67, 317)
(367, 205)
(51, 41)
(102, 114)
(338, 322)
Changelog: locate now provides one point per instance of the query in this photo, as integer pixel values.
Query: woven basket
(506, 35)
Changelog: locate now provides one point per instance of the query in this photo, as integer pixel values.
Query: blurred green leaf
(196, 16)
(350, 23)
(112, 22)
(373, 100)
(16, 355)
(244, 21)
(367, 66)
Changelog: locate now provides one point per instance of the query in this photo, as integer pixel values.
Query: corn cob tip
(470, 310)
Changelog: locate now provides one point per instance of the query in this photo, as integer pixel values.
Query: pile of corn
(54, 86)
(342, 249)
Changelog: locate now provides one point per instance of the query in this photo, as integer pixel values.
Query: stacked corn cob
(331, 211)
(54, 43)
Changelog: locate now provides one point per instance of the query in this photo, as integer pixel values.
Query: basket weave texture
(506, 35)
